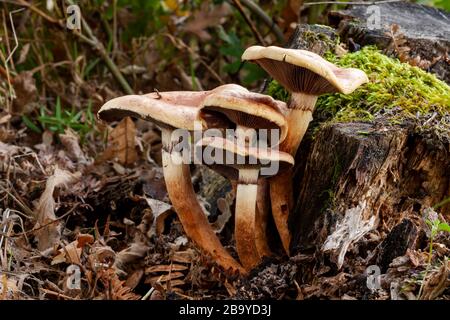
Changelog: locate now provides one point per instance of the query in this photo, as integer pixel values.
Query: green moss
(397, 90)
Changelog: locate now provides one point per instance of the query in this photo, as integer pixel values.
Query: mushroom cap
(304, 71)
(249, 157)
(177, 109)
(242, 107)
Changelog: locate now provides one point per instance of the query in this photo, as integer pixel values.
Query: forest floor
(80, 197)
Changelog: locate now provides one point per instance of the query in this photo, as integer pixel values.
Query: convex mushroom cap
(245, 109)
(304, 71)
(177, 109)
(243, 157)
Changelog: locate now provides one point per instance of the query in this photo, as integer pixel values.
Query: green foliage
(82, 122)
(436, 226)
(399, 88)
(277, 91)
(233, 49)
(441, 4)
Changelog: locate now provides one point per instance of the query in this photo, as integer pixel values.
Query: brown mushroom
(305, 75)
(245, 168)
(169, 111)
(245, 111)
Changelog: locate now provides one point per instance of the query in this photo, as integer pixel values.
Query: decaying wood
(387, 172)
(425, 29)
(355, 172)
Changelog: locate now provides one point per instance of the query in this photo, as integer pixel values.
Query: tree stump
(389, 173)
(375, 175)
(425, 29)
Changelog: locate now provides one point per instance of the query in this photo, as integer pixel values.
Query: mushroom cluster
(248, 137)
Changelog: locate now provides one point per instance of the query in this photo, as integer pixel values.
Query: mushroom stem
(301, 108)
(245, 217)
(262, 215)
(182, 195)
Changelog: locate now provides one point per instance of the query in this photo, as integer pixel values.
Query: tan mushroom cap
(249, 109)
(263, 157)
(292, 68)
(177, 109)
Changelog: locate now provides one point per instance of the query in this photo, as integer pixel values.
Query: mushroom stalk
(261, 216)
(182, 195)
(251, 242)
(301, 108)
(245, 219)
(300, 115)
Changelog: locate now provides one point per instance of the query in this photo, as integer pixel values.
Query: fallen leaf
(134, 279)
(205, 18)
(69, 139)
(26, 93)
(437, 282)
(135, 251)
(24, 53)
(122, 143)
(49, 233)
(160, 211)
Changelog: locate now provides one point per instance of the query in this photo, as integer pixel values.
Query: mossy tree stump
(383, 171)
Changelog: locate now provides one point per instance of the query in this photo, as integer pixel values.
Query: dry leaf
(206, 18)
(160, 211)
(49, 233)
(437, 282)
(70, 141)
(165, 277)
(122, 143)
(134, 252)
(134, 279)
(26, 93)
(24, 53)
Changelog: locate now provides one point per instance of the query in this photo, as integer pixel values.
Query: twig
(91, 40)
(20, 203)
(112, 66)
(253, 7)
(258, 36)
(368, 3)
(179, 42)
(14, 34)
(57, 294)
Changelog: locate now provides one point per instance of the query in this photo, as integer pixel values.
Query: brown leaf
(24, 53)
(134, 279)
(26, 93)
(160, 212)
(70, 141)
(165, 277)
(122, 143)
(437, 282)
(49, 233)
(83, 239)
(206, 18)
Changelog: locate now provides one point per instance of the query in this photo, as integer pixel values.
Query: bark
(425, 29)
(387, 172)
